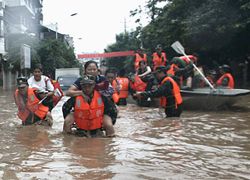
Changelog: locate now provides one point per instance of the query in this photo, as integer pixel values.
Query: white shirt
(41, 84)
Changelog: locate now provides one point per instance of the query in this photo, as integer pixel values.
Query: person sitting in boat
(168, 91)
(211, 77)
(87, 114)
(179, 70)
(159, 57)
(124, 87)
(226, 79)
(30, 108)
(139, 56)
(144, 73)
(42, 82)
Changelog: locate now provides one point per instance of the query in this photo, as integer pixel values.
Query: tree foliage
(55, 54)
(218, 30)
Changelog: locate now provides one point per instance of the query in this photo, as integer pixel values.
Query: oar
(180, 49)
(42, 100)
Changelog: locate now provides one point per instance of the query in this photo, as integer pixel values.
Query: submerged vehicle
(66, 81)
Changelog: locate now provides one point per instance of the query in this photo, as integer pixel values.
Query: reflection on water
(199, 145)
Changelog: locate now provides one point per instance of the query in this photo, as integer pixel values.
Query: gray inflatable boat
(208, 99)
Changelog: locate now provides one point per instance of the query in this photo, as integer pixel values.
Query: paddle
(180, 49)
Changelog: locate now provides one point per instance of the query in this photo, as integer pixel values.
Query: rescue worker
(111, 75)
(44, 84)
(30, 108)
(179, 70)
(88, 114)
(139, 56)
(103, 86)
(168, 91)
(226, 79)
(159, 57)
(124, 87)
(145, 74)
(194, 58)
(137, 85)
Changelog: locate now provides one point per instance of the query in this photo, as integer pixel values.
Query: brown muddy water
(199, 145)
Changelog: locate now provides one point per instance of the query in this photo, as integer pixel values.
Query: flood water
(199, 145)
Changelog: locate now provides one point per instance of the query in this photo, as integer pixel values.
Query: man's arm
(73, 91)
(67, 106)
(163, 90)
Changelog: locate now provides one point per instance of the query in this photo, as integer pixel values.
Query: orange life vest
(230, 83)
(89, 116)
(138, 58)
(191, 57)
(138, 84)
(176, 93)
(124, 83)
(115, 95)
(32, 105)
(159, 60)
(171, 70)
(23, 112)
(57, 86)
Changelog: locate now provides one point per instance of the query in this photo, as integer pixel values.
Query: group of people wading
(92, 108)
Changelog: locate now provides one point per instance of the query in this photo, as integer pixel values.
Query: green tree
(55, 54)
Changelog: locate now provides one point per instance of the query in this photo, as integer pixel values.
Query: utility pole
(125, 26)
(56, 29)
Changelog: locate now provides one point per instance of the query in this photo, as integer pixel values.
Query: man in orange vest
(139, 56)
(111, 76)
(159, 57)
(124, 87)
(168, 91)
(88, 111)
(226, 79)
(30, 107)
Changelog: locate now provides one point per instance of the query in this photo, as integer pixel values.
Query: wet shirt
(44, 83)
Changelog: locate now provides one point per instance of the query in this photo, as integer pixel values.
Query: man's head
(225, 68)
(88, 84)
(22, 83)
(111, 74)
(158, 48)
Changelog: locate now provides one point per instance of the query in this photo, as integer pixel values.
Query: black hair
(122, 72)
(38, 66)
(142, 62)
(88, 63)
(111, 70)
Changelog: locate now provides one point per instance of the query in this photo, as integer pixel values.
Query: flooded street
(199, 145)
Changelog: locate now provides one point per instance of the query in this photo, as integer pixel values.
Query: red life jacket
(115, 95)
(159, 60)
(89, 116)
(191, 57)
(124, 83)
(32, 105)
(176, 93)
(230, 83)
(23, 112)
(57, 86)
(138, 84)
(138, 58)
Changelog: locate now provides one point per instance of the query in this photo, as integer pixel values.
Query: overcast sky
(96, 23)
